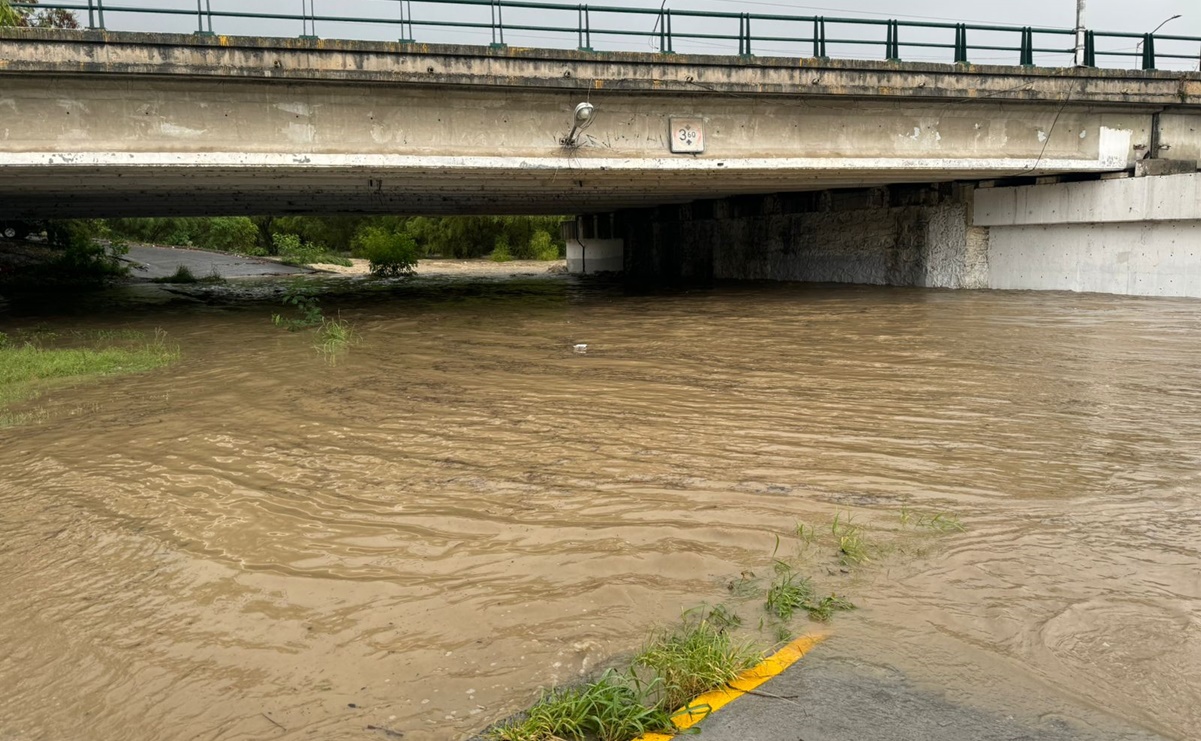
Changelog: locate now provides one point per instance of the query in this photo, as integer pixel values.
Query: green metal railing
(663, 28)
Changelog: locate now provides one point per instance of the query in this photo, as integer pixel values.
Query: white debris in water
(580, 348)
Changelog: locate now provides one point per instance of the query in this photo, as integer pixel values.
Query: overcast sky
(1102, 15)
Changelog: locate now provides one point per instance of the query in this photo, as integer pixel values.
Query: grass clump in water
(334, 336)
(942, 522)
(788, 593)
(852, 549)
(791, 593)
(616, 707)
(28, 367)
(693, 659)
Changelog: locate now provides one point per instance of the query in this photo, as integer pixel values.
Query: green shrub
(544, 247)
(391, 253)
(225, 233)
(293, 251)
(82, 258)
(500, 250)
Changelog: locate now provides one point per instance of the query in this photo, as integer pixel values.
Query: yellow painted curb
(709, 703)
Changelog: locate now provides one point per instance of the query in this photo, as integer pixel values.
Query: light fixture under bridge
(582, 118)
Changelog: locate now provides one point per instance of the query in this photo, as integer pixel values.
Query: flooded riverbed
(256, 543)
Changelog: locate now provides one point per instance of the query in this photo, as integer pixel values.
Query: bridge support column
(593, 245)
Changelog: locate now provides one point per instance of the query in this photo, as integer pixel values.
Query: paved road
(159, 262)
(825, 697)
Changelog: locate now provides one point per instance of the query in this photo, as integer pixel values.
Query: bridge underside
(345, 185)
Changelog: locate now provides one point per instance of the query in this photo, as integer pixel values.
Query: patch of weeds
(111, 335)
(334, 336)
(822, 610)
(616, 707)
(852, 550)
(305, 304)
(943, 522)
(25, 369)
(783, 633)
(182, 274)
(720, 615)
(693, 659)
(293, 251)
(213, 278)
(790, 593)
(807, 534)
(745, 586)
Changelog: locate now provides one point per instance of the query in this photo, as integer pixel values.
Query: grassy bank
(32, 362)
(713, 645)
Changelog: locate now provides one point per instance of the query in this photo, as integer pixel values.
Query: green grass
(693, 659)
(852, 549)
(182, 274)
(334, 336)
(788, 593)
(674, 667)
(791, 593)
(943, 522)
(807, 534)
(613, 708)
(28, 368)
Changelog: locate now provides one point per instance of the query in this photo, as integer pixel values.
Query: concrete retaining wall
(1153, 258)
(1137, 236)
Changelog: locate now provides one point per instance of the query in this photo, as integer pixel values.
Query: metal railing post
(665, 45)
(961, 44)
(585, 30)
(1027, 47)
(892, 45)
(819, 37)
(91, 15)
(1090, 49)
(308, 20)
(498, 25)
(204, 7)
(406, 22)
(744, 35)
(1149, 51)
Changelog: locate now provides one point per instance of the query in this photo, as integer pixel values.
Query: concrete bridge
(680, 148)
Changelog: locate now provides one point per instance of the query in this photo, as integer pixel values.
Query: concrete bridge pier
(915, 235)
(594, 245)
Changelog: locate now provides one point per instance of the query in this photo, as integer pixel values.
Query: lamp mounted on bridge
(582, 118)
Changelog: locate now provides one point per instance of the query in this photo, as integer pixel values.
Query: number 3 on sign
(687, 135)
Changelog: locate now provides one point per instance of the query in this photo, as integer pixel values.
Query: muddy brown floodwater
(256, 544)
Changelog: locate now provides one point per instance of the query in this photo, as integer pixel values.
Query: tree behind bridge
(29, 18)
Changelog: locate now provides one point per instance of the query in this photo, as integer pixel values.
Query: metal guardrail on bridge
(664, 28)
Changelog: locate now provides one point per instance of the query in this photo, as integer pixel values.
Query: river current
(257, 543)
